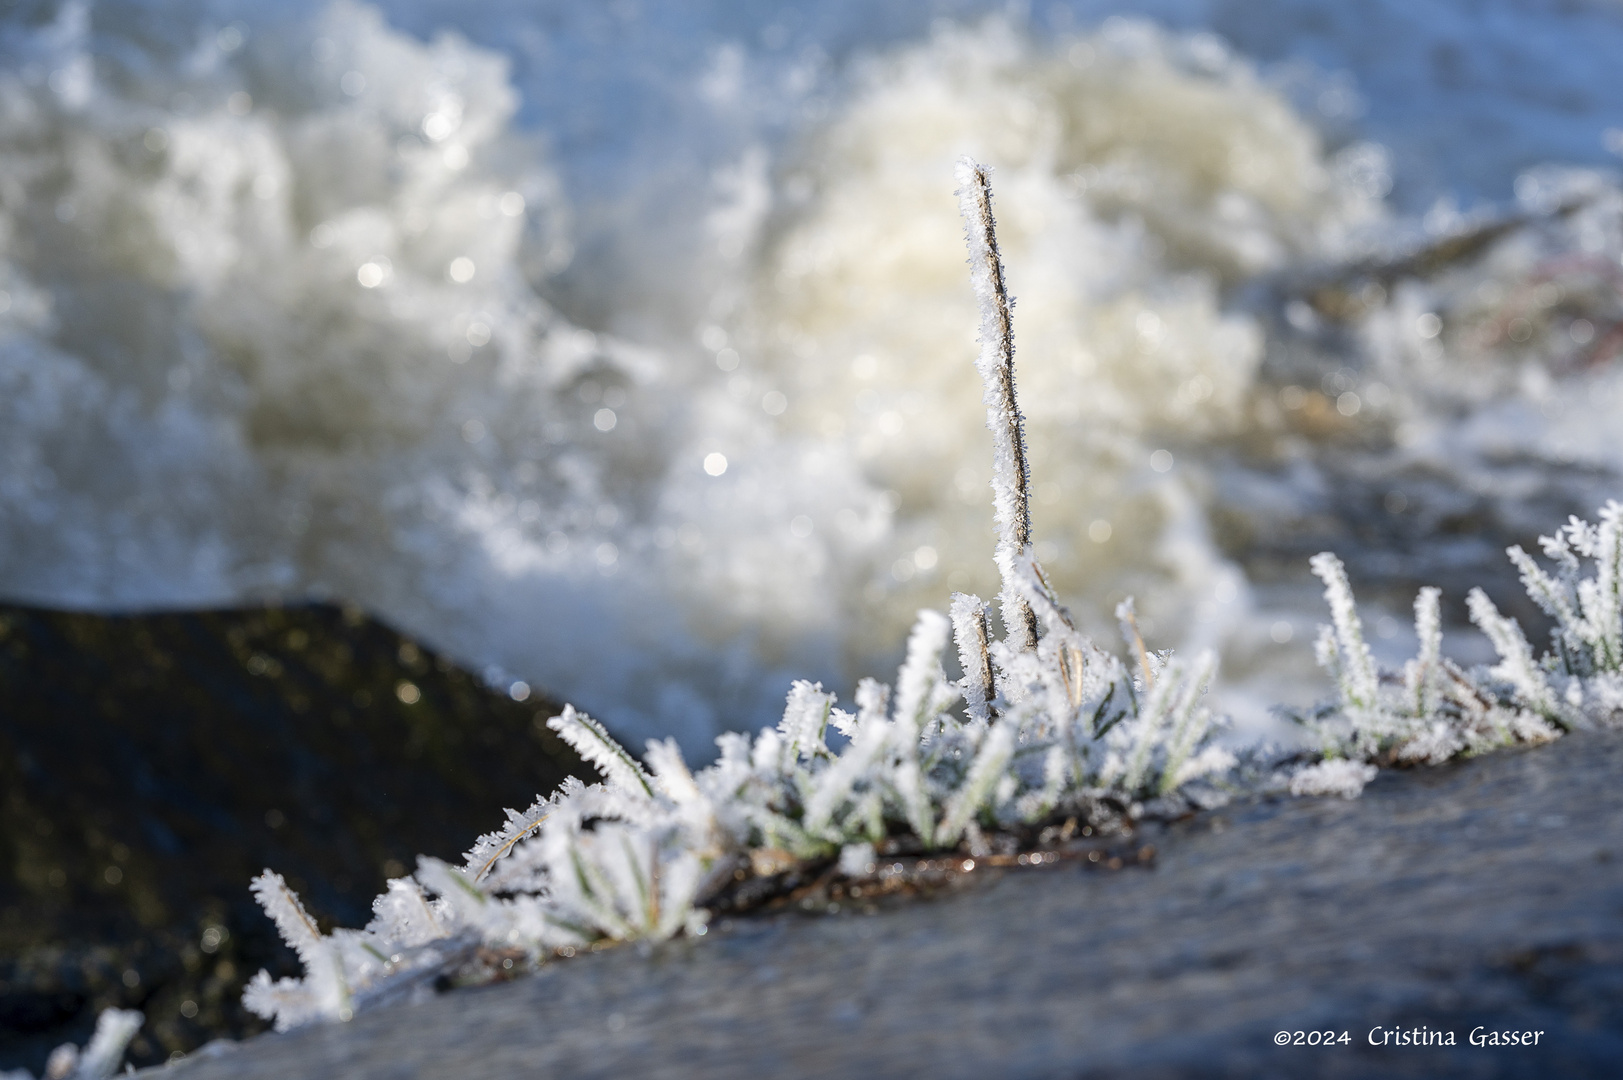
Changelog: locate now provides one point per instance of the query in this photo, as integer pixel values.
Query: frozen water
(627, 348)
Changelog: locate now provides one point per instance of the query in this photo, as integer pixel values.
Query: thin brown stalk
(983, 650)
(997, 333)
(1131, 619)
(1070, 670)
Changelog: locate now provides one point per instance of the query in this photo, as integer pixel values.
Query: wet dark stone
(151, 764)
(1487, 894)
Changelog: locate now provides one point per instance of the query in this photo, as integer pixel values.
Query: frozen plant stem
(969, 624)
(1011, 477)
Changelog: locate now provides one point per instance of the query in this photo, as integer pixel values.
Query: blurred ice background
(624, 349)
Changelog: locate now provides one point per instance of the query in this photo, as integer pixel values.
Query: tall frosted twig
(1011, 476)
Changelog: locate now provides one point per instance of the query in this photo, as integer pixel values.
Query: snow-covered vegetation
(1040, 725)
(1433, 711)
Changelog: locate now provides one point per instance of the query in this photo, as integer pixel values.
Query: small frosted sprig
(1356, 672)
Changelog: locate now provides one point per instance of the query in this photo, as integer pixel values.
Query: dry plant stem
(1003, 411)
(983, 650)
(1143, 653)
(1070, 670)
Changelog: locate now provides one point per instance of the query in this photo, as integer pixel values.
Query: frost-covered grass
(1433, 711)
(1042, 725)
(100, 1057)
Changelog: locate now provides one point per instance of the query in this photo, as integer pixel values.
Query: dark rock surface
(1485, 894)
(151, 764)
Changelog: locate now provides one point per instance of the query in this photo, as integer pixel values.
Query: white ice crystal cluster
(1041, 722)
(1434, 710)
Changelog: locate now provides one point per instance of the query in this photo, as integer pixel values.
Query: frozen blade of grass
(1073, 670)
(282, 904)
(1334, 777)
(843, 722)
(1127, 615)
(1324, 651)
(115, 1028)
(1057, 774)
(463, 904)
(873, 705)
(1552, 597)
(645, 895)
(1604, 612)
(1189, 721)
(1420, 677)
(596, 745)
(991, 761)
(1559, 549)
(1516, 665)
(596, 892)
(781, 832)
(805, 716)
(835, 784)
(492, 846)
(1151, 719)
(916, 803)
(1359, 684)
(402, 913)
(922, 690)
(676, 783)
(451, 885)
(324, 991)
